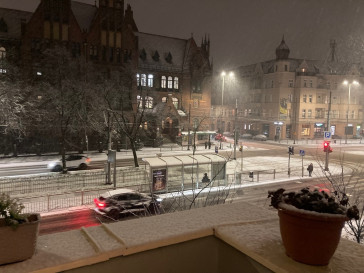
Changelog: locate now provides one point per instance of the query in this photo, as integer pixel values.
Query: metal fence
(60, 183)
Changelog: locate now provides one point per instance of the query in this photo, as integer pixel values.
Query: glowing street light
(347, 114)
(223, 74)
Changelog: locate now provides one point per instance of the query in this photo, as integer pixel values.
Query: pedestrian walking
(209, 144)
(310, 169)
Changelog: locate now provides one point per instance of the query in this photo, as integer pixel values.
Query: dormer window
(143, 55)
(169, 58)
(156, 56)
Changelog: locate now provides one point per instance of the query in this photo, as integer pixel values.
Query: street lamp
(223, 74)
(347, 114)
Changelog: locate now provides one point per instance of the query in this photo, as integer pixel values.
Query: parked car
(335, 137)
(80, 162)
(260, 137)
(220, 137)
(122, 201)
(246, 136)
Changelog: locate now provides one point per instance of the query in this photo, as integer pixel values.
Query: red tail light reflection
(99, 204)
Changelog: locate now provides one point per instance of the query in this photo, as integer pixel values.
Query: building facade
(170, 77)
(289, 98)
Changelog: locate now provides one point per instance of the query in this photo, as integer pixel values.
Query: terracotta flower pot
(310, 237)
(19, 244)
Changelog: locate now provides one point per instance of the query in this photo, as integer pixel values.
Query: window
(290, 97)
(170, 82)
(290, 83)
(195, 123)
(175, 102)
(143, 81)
(310, 98)
(309, 113)
(150, 80)
(195, 103)
(175, 83)
(139, 102)
(304, 83)
(2, 53)
(164, 82)
(138, 79)
(305, 130)
(164, 99)
(148, 102)
(285, 67)
(328, 85)
(303, 113)
(311, 84)
(304, 98)
(272, 84)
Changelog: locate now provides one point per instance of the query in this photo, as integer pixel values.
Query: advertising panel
(159, 179)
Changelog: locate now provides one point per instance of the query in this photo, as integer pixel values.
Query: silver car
(80, 162)
(260, 137)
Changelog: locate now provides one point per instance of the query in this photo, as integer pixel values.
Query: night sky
(248, 31)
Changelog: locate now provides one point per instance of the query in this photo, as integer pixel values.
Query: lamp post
(223, 74)
(347, 113)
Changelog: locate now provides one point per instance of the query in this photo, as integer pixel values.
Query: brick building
(171, 76)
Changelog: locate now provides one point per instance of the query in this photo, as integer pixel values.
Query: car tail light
(88, 160)
(99, 203)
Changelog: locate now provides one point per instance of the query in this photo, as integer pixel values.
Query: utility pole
(328, 129)
(235, 132)
(189, 127)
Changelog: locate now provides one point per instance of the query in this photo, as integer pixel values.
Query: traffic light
(291, 150)
(327, 147)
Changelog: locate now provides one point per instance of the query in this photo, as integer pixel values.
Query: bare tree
(346, 188)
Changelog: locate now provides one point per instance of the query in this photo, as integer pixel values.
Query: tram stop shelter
(185, 172)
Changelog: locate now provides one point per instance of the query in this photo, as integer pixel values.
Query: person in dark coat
(310, 169)
(205, 178)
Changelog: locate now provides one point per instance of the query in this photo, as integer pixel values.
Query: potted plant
(18, 232)
(311, 223)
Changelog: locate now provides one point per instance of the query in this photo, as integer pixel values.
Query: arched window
(170, 82)
(175, 102)
(2, 53)
(138, 79)
(175, 83)
(143, 81)
(164, 82)
(150, 80)
(164, 99)
(195, 123)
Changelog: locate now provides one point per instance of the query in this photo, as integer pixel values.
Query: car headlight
(159, 199)
(51, 165)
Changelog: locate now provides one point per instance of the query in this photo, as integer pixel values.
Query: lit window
(164, 82)
(150, 80)
(175, 102)
(39, 73)
(2, 71)
(2, 53)
(139, 102)
(170, 82)
(143, 81)
(175, 82)
(149, 102)
(138, 79)
(164, 99)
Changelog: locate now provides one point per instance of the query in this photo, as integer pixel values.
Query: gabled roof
(13, 19)
(84, 14)
(163, 45)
